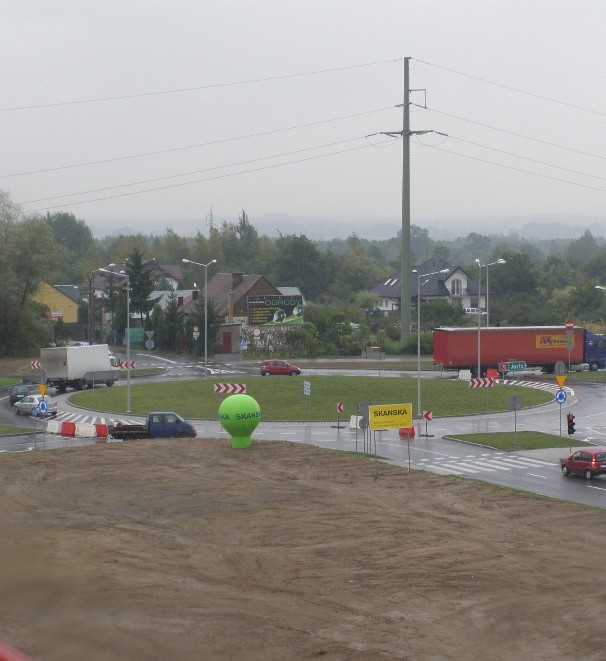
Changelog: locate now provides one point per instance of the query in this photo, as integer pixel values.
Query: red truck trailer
(537, 346)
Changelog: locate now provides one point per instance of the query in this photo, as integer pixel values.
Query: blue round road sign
(560, 396)
(43, 406)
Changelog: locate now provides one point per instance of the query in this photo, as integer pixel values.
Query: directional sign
(427, 415)
(484, 382)
(231, 388)
(340, 407)
(35, 364)
(125, 365)
(560, 396)
(43, 406)
(307, 388)
(512, 366)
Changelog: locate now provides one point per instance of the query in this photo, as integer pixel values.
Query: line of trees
(541, 283)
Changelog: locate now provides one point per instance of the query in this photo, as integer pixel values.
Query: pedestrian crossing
(485, 463)
(67, 416)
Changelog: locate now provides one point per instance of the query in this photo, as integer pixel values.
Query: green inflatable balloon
(239, 415)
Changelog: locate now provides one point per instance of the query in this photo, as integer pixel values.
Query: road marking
(543, 477)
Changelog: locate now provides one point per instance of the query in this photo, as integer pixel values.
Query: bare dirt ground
(193, 550)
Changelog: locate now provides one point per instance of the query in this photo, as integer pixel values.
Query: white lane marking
(543, 477)
(166, 360)
(470, 468)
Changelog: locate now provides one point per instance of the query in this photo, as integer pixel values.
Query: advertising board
(275, 310)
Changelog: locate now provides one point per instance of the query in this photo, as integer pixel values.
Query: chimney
(230, 306)
(236, 279)
(194, 295)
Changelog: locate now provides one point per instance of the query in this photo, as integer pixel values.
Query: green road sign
(512, 366)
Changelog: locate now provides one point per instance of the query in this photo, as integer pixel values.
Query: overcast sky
(276, 107)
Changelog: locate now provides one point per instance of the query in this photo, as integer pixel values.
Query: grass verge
(282, 398)
(522, 440)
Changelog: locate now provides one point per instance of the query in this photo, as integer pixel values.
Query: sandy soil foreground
(193, 550)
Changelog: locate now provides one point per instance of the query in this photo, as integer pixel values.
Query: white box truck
(79, 367)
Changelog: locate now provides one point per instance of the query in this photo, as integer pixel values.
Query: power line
(194, 146)
(509, 167)
(197, 181)
(527, 158)
(195, 89)
(515, 89)
(517, 135)
(191, 172)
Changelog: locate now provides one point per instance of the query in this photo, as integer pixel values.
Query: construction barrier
(492, 373)
(68, 429)
(464, 375)
(53, 427)
(101, 431)
(407, 432)
(85, 430)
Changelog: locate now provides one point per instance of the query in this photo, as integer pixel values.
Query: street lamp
(480, 267)
(122, 274)
(499, 261)
(214, 261)
(419, 276)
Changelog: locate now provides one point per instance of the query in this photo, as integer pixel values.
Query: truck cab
(595, 351)
(168, 425)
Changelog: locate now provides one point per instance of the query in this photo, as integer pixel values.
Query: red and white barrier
(77, 429)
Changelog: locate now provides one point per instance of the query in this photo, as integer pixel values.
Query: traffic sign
(512, 366)
(125, 365)
(484, 382)
(427, 415)
(35, 364)
(561, 379)
(232, 388)
(560, 396)
(43, 406)
(569, 324)
(307, 387)
(340, 407)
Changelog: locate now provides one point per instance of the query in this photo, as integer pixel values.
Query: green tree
(299, 263)
(28, 254)
(141, 282)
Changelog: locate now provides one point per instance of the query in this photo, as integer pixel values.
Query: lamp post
(499, 261)
(122, 274)
(213, 261)
(419, 276)
(479, 374)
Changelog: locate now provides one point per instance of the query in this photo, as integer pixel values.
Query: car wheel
(588, 474)
(109, 384)
(293, 373)
(594, 366)
(565, 472)
(16, 410)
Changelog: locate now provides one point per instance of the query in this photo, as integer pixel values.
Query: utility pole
(405, 258)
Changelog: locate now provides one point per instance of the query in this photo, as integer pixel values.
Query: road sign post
(340, 409)
(427, 417)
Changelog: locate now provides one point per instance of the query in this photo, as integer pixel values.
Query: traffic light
(570, 419)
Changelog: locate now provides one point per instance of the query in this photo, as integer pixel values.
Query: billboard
(275, 310)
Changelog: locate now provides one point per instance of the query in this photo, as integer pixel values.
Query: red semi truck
(537, 346)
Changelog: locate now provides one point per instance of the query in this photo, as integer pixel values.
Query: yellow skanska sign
(387, 416)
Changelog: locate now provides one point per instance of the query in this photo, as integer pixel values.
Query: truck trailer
(537, 346)
(79, 367)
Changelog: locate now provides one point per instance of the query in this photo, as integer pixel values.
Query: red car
(278, 367)
(587, 462)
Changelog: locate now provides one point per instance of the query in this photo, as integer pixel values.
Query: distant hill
(340, 227)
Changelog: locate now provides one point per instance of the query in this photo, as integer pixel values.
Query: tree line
(541, 283)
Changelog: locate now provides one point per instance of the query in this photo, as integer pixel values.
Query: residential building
(456, 287)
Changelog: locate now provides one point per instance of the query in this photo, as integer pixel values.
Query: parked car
(587, 462)
(31, 403)
(273, 367)
(17, 393)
